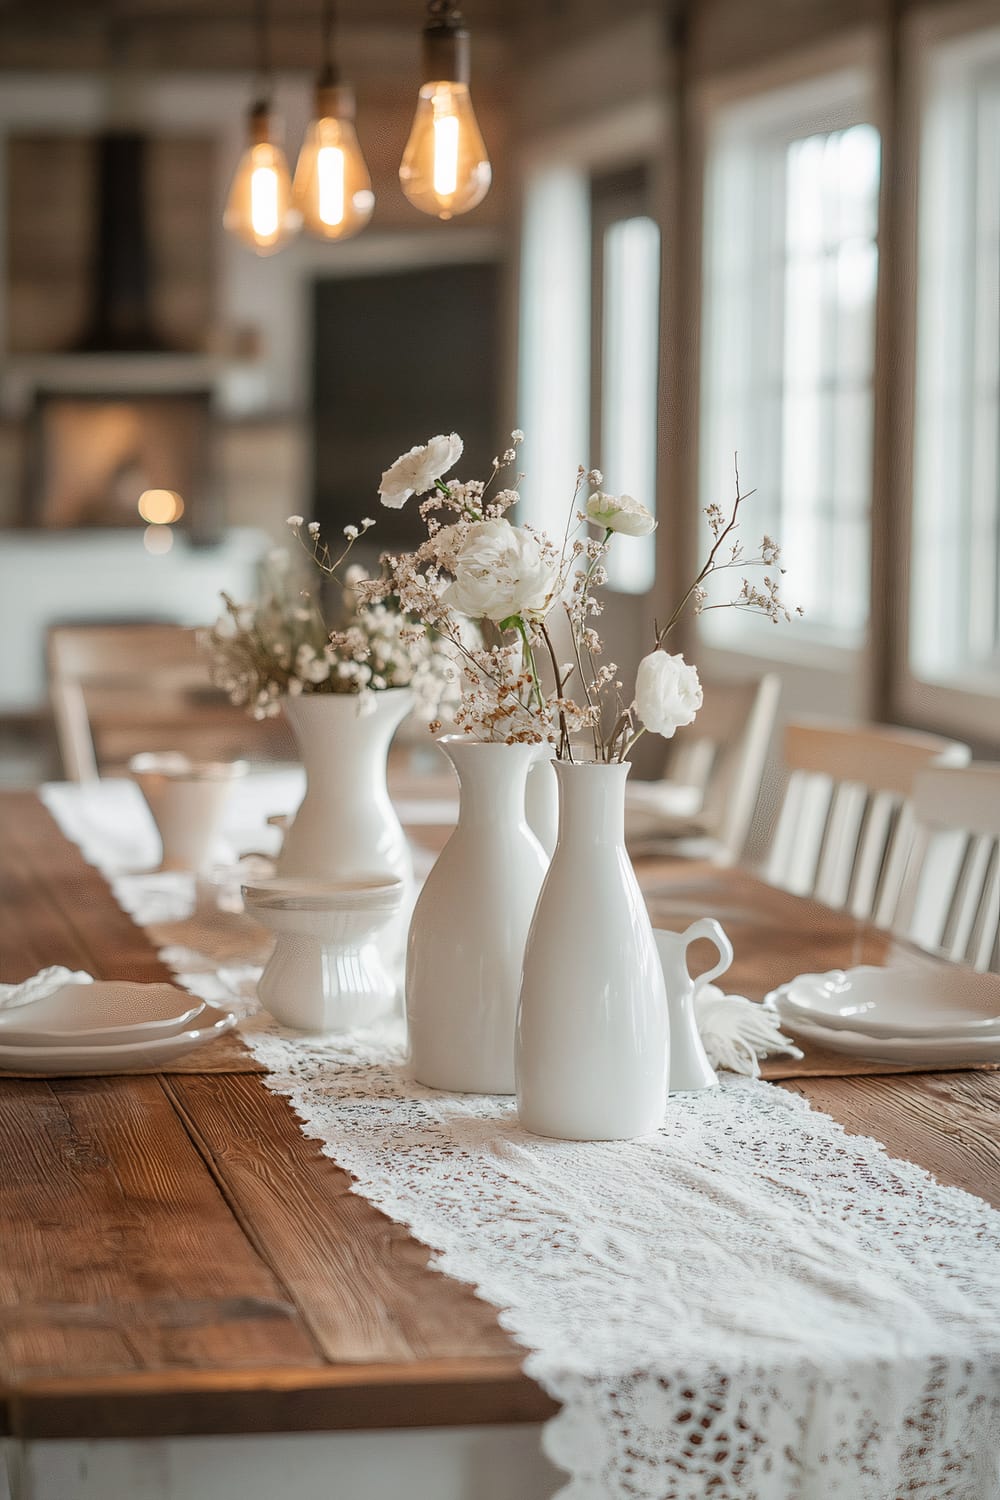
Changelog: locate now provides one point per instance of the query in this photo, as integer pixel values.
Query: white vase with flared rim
(346, 826)
(593, 1033)
(469, 926)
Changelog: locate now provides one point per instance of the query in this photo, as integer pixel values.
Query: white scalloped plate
(929, 1052)
(106, 1013)
(152, 1052)
(918, 1004)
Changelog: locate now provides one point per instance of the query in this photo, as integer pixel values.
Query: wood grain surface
(176, 1257)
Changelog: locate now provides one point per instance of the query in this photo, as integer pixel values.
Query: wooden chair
(950, 900)
(846, 825)
(708, 799)
(118, 689)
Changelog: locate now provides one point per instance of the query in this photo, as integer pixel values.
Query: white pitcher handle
(708, 927)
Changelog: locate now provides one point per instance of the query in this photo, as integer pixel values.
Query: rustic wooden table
(177, 1259)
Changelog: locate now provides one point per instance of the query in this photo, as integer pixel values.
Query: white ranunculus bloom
(667, 693)
(414, 473)
(501, 571)
(620, 513)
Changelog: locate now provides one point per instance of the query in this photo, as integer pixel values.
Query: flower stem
(529, 657)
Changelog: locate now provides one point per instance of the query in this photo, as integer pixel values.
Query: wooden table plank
(57, 909)
(120, 1253)
(361, 1281)
(429, 1393)
(176, 1257)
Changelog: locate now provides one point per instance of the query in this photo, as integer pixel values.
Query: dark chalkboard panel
(398, 358)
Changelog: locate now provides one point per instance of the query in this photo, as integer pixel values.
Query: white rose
(414, 473)
(500, 571)
(620, 513)
(667, 693)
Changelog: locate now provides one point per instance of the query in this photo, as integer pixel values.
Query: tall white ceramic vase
(346, 826)
(593, 1034)
(466, 943)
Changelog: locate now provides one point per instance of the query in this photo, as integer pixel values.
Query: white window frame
(777, 117)
(820, 675)
(556, 251)
(965, 704)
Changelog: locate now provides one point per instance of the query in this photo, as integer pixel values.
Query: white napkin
(40, 985)
(736, 1033)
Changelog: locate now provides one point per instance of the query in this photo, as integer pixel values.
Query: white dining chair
(846, 825)
(950, 900)
(706, 802)
(120, 688)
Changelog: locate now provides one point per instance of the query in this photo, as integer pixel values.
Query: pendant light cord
(264, 79)
(331, 72)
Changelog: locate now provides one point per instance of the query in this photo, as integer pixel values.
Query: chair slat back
(846, 826)
(724, 753)
(138, 672)
(950, 898)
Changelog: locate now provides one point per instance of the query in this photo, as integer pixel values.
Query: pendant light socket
(447, 54)
(334, 100)
(259, 123)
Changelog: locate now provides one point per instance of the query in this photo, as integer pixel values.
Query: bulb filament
(330, 174)
(264, 201)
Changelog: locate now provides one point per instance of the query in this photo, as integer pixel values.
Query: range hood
(120, 312)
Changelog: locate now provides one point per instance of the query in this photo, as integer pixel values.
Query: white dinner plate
(892, 1003)
(929, 1052)
(106, 1013)
(151, 1052)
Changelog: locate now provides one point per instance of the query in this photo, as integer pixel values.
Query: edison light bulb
(259, 208)
(445, 169)
(332, 190)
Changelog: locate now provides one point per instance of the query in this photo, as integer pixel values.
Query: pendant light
(445, 170)
(332, 189)
(259, 208)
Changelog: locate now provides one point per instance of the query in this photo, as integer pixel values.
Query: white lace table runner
(751, 1305)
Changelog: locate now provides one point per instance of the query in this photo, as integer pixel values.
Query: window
(955, 589)
(626, 254)
(589, 348)
(554, 343)
(790, 271)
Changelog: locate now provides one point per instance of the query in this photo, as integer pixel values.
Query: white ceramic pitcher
(690, 1068)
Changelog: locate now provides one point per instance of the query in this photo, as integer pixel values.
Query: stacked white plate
(106, 1026)
(933, 1015)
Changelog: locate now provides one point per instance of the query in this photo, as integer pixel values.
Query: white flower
(414, 473)
(667, 693)
(351, 533)
(620, 513)
(310, 666)
(313, 528)
(294, 522)
(500, 570)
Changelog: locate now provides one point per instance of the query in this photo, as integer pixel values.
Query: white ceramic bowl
(327, 972)
(893, 1003)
